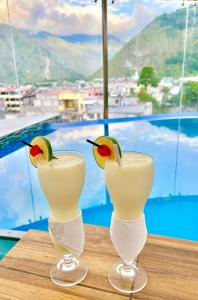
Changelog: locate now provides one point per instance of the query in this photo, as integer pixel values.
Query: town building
(11, 98)
(96, 112)
(41, 100)
(71, 104)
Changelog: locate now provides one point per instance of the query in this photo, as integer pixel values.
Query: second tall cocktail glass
(62, 181)
(129, 185)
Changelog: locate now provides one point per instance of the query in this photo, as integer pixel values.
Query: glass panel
(187, 140)
(145, 74)
(51, 51)
(9, 102)
(16, 203)
(58, 68)
(15, 189)
(189, 95)
(171, 205)
(7, 74)
(187, 164)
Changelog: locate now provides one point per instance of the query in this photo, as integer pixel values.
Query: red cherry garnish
(35, 150)
(104, 150)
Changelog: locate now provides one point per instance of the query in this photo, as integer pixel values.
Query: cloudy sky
(64, 17)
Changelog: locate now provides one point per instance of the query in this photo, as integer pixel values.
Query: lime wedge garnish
(107, 149)
(45, 147)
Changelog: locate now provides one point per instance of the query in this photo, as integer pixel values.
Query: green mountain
(161, 45)
(88, 38)
(47, 57)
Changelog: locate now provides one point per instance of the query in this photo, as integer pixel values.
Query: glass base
(127, 279)
(68, 272)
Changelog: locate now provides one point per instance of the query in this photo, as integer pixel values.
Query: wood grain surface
(171, 266)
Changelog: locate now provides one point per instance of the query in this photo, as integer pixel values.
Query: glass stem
(127, 268)
(68, 259)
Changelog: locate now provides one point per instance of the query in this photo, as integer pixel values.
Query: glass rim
(56, 152)
(138, 152)
(69, 151)
(66, 151)
(146, 154)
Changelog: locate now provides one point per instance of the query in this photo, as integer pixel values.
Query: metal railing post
(105, 58)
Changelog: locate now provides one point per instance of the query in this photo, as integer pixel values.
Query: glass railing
(57, 65)
(49, 54)
(153, 85)
(158, 61)
(175, 154)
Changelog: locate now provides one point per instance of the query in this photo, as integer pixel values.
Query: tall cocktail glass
(62, 180)
(129, 185)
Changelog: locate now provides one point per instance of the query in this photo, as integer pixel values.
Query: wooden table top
(171, 266)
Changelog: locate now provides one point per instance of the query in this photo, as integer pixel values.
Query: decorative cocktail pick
(93, 143)
(35, 150)
(39, 145)
(103, 150)
(103, 147)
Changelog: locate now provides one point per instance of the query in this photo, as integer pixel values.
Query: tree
(143, 96)
(148, 77)
(165, 91)
(190, 95)
(174, 101)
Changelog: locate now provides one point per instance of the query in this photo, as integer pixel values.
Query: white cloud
(2, 166)
(125, 17)
(52, 15)
(62, 136)
(18, 208)
(147, 132)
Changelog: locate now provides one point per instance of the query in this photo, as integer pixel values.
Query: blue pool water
(6, 245)
(172, 208)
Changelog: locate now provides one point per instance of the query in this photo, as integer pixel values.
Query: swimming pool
(172, 209)
(5, 245)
